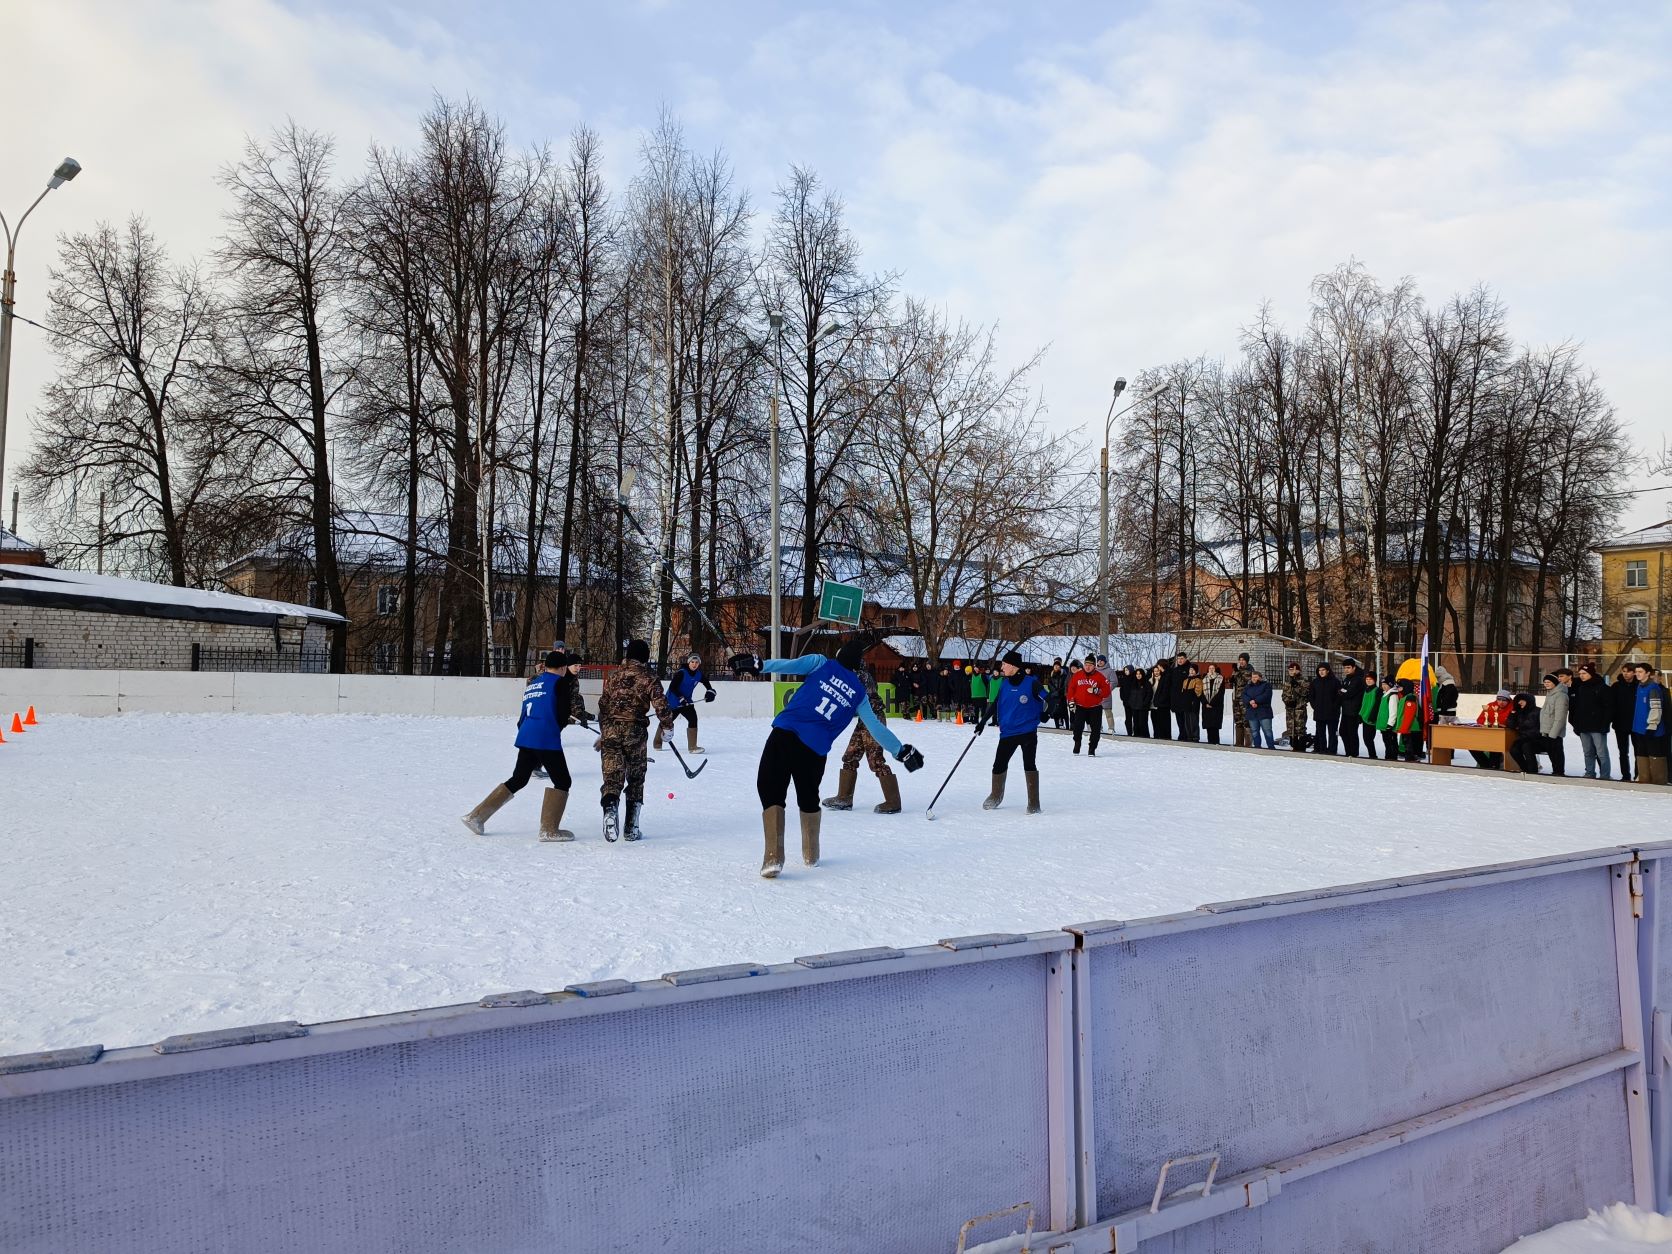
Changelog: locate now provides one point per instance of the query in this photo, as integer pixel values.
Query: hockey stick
(979, 728)
(689, 773)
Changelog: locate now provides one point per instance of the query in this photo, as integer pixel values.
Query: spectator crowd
(1354, 712)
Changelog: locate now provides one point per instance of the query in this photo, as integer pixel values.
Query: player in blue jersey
(545, 709)
(682, 699)
(1018, 707)
(830, 695)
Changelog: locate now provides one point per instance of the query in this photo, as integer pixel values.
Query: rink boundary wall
(106, 692)
(1350, 1087)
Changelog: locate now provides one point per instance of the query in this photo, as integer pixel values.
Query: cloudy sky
(1124, 182)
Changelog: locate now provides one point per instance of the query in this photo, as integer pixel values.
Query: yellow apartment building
(1637, 596)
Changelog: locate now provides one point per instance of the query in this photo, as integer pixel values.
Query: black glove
(709, 695)
(909, 758)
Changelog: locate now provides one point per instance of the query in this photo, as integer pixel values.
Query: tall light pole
(777, 321)
(1103, 532)
(67, 169)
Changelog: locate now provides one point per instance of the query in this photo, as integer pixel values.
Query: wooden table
(1443, 738)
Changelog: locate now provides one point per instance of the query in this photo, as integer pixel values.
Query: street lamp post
(1103, 533)
(67, 169)
(777, 321)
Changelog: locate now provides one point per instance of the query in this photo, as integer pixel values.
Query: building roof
(1655, 536)
(15, 543)
(1126, 649)
(113, 594)
(885, 579)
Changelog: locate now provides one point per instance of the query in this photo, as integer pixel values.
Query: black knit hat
(850, 654)
(1013, 658)
(556, 660)
(638, 651)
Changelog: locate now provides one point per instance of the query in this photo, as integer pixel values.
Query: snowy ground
(163, 873)
(1618, 1229)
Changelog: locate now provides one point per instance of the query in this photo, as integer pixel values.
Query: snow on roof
(886, 582)
(16, 543)
(23, 584)
(1653, 536)
(1127, 649)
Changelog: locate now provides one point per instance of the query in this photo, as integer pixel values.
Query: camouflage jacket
(877, 706)
(630, 690)
(1295, 692)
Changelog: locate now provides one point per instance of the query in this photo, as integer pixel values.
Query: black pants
(1088, 720)
(1188, 723)
(1137, 722)
(1390, 744)
(1161, 724)
(1349, 734)
(1527, 749)
(1367, 732)
(557, 766)
(784, 759)
(1323, 732)
(1212, 721)
(1028, 744)
(1625, 741)
(688, 712)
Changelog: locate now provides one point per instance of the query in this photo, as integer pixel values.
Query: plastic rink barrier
(1434, 1062)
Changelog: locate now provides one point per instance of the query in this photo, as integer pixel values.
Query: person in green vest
(1369, 707)
(1384, 718)
(979, 691)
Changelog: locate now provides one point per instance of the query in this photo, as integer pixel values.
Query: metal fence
(20, 656)
(1439, 1062)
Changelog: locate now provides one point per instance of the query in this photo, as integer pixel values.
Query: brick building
(371, 554)
(16, 551)
(1637, 596)
(71, 619)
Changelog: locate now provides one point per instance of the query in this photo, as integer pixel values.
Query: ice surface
(176, 873)
(1619, 1229)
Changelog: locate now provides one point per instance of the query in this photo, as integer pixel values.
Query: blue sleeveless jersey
(823, 706)
(541, 725)
(1021, 706)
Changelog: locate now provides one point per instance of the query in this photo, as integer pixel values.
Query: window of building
(1637, 574)
(388, 599)
(1520, 677)
(1637, 622)
(504, 603)
(316, 595)
(386, 658)
(503, 661)
(1225, 595)
(890, 620)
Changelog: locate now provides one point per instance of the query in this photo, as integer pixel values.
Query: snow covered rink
(170, 873)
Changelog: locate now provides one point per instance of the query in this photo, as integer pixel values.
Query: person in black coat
(1159, 696)
(1523, 721)
(1591, 715)
(1325, 699)
(1622, 695)
(1352, 697)
(1134, 700)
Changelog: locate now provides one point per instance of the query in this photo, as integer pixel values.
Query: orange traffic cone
(2, 738)
(29, 718)
(958, 718)
(17, 725)
(919, 717)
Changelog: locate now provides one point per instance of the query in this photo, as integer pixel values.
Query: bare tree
(126, 415)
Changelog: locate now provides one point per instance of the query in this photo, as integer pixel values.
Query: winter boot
(1032, 778)
(551, 815)
(890, 803)
(996, 796)
(773, 821)
(612, 820)
(691, 745)
(633, 832)
(810, 835)
(477, 819)
(843, 800)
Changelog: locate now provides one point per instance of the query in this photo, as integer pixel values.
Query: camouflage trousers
(1294, 720)
(863, 744)
(622, 750)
